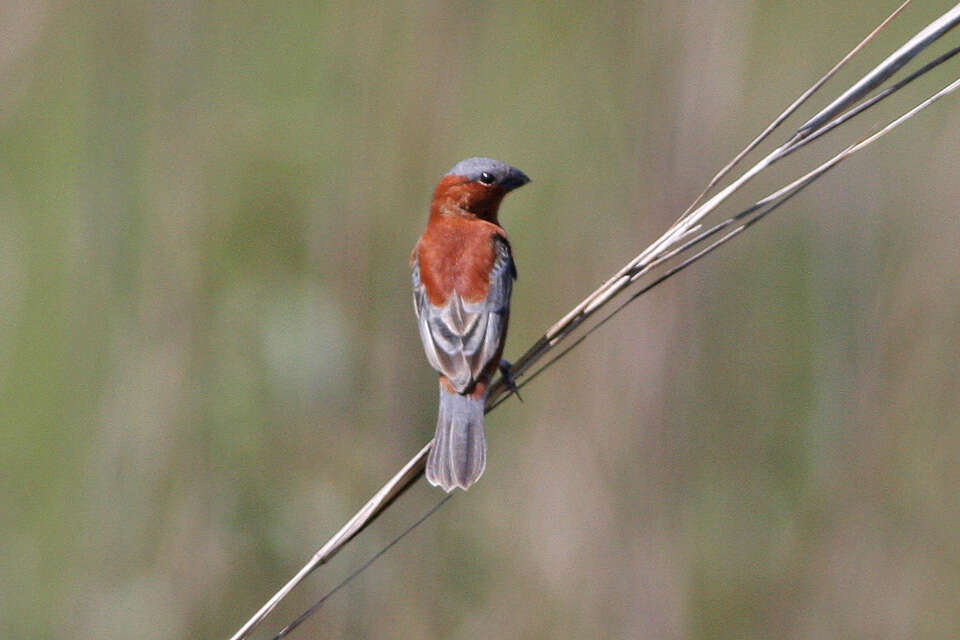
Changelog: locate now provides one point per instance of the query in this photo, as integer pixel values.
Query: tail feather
(459, 452)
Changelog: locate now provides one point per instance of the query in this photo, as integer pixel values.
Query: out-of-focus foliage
(208, 357)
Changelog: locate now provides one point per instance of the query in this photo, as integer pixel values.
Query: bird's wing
(461, 338)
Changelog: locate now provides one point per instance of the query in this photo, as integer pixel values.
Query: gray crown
(505, 175)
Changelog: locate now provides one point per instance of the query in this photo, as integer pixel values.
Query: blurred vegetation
(208, 357)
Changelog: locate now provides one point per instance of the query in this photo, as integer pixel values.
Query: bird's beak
(514, 179)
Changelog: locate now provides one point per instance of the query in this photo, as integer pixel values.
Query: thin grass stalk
(765, 206)
(927, 36)
(796, 104)
(683, 226)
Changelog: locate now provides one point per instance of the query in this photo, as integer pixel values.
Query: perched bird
(463, 273)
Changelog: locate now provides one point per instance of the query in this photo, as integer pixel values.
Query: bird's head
(475, 187)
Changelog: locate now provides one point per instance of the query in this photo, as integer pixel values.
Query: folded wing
(461, 338)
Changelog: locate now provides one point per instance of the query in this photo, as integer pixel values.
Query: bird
(463, 273)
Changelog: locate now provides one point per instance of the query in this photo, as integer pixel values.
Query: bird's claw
(505, 368)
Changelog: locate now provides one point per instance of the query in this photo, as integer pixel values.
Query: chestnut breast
(457, 254)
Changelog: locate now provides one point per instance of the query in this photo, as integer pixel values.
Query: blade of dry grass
(765, 206)
(885, 69)
(685, 224)
(863, 106)
(806, 95)
(380, 501)
(287, 630)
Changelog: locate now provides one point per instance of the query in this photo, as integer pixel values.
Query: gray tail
(459, 451)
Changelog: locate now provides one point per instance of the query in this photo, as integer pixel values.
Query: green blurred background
(209, 360)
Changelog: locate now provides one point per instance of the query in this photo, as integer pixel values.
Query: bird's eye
(487, 178)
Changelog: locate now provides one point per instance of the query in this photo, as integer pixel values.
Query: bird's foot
(505, 369)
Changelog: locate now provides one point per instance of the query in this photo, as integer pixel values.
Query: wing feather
(462, 338)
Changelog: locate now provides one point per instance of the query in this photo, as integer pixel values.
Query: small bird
(463, 274)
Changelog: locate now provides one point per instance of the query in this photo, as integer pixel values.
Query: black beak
(514, 179)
